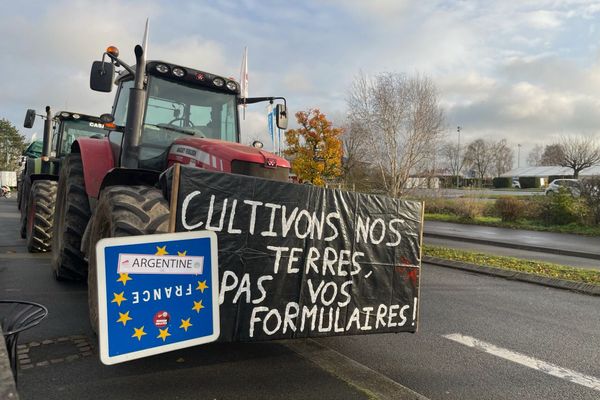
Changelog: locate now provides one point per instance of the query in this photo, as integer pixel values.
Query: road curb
(519, 246)
(374, 384)
(579, 287)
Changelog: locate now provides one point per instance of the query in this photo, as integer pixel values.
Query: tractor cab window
(120, 108)
(176, 110)
(73, 129)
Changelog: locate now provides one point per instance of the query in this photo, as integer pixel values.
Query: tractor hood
(220, 155)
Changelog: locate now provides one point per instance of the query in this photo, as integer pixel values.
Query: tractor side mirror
(102, 76)
(282, 119)
(29, 118)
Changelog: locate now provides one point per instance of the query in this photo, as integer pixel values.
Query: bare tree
(453, 157)
(479, 156)
(402, 121)
(553, 155)
(534, 157)
(579, 153)
(356, 163)
(489, 158)
(503, 157)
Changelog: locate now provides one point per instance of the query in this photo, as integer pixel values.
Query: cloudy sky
(525, 71)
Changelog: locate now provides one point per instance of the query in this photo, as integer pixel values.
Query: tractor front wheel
(123, 211)
(70, 220)
(40, 210)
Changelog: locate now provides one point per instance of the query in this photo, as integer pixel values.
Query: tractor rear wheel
(42, 200)
(123, 211)
(70, 220)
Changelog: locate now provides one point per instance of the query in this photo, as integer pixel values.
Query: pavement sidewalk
(557, 243)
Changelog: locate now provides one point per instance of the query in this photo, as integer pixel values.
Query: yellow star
(198, 306)
(124, 317)
(138, 333)
(182, 253)
(201, 286)
(161, 251)
(118, 298)
(163, 334)
(185, 324)
(124, 278)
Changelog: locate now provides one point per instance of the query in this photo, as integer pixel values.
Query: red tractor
(162, 114)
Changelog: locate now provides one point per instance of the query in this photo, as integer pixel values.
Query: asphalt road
(552, 330)
(550, 325)
(548, 240)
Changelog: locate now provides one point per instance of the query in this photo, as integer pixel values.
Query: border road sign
(156, 293)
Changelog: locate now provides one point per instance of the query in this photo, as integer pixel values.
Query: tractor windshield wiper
(179, 129)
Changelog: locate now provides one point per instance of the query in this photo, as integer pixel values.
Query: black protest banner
(302, 261)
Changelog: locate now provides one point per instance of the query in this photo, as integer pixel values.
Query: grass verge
(522, 224)
(516, 264)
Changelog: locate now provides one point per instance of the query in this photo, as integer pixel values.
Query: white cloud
(544, 19)
(521, 70)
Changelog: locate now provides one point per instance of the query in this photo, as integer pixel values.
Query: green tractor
(38, 180)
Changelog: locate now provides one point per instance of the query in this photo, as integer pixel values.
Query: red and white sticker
(161, 319)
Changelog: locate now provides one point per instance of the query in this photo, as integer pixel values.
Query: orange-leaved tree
(315, 148)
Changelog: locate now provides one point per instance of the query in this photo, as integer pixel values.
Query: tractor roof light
(113, 51)
(162, 68)
(231, 85)
(219, 82)
(76, 116)
(178, 72)
(65, 114)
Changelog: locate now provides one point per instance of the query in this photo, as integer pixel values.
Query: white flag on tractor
(244, 79)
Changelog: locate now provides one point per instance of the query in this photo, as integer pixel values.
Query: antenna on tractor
(145, 40)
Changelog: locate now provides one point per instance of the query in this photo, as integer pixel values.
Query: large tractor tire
(42, 200)
(70, 220)
(123, 211)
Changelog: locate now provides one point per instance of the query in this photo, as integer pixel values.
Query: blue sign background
(122, 330)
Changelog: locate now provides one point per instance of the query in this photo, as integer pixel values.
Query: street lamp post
(519, 156)
(458, 159)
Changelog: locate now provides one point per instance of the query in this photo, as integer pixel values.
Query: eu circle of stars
(133, 300)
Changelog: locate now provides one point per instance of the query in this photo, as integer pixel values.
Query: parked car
(515, 183)
(572, 185)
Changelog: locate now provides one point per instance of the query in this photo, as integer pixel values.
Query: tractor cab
(160, 105)
(180, 103)
(69, 126)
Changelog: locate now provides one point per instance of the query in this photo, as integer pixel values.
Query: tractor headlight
(231, 85)
(162, 68)
(219, 82)
(178, 72)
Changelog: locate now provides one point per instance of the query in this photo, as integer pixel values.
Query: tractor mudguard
(130, 177)
(97, 159)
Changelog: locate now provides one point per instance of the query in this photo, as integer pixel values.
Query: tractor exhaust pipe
(47, 141)
(135, 112)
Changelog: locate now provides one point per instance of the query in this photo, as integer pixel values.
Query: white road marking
(550, 369)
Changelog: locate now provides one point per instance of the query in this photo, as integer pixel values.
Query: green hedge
(530, 182)
(500, 182)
